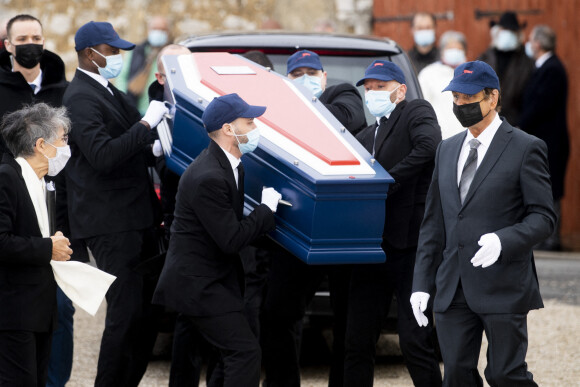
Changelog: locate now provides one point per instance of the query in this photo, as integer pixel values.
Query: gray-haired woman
(37, 138)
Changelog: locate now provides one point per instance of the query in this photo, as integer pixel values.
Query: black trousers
(290, 288)
(460, 332)
(24, 358)
(371, 291)
(131, 321)
(238, 347)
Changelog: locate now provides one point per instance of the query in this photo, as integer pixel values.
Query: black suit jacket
(405, 146)
(108, 187)
(203, 274)
(345, 103)
(544, 116)
(27, 285)
(510, 196)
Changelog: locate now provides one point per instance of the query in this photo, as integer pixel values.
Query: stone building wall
(61, 18)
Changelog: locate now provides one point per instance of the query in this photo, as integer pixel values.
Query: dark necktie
(32, 86)
(241, 179)
(381, 122)
(468, 169)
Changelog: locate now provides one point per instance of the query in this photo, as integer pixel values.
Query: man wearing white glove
(203, 278)
(109, 195)
(489, 203)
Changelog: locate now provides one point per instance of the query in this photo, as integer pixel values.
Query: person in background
(37, 137)
(343, 100)
(3, 23)
(110, 199)
(544, 114)
(31, 74)
(291, 283)
(436, 76)
(186, 355)
(489, 203)
(508, 58)
(424, 51)
(203, 276)
(140, 64)
(403, 140)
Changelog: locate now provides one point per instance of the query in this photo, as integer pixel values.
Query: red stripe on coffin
(300, 123)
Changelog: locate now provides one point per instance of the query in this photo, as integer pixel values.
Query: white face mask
(424, 37)
(379, 102)
(529, 50)
(506, 40)
(57, 163)
(453, 56)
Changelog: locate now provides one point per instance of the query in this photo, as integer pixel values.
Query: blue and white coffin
(336, 189)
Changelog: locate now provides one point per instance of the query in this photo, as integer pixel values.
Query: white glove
(489, 251)
(155, 113)
(270, 198)
(157, 148)
(419, 302)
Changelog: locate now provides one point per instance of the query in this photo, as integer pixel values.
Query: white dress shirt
(485, 141)
(99, 78)
(234, 161)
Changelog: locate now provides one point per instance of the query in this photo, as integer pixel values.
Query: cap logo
(378, 64)
(305, 54)
(467, 72)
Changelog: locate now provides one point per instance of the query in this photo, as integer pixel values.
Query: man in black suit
(110, 198)
(489, 203)
(291, 283)
(403, 141)
(203, 277)
(544, 114)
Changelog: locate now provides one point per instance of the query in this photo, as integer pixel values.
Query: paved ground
(553, 354)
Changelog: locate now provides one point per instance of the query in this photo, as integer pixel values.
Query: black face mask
(468, 114)
(28, 55)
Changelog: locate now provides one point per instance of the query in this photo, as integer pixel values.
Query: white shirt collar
(97, 77)
(37, 82)
(541, 60)
(234, 161)
(486, 136)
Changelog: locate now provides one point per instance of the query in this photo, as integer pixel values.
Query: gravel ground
(553, 354)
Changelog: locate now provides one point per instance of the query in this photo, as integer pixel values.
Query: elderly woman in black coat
(37, 138)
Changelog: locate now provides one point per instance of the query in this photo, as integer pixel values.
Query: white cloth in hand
(155, 113)
(419, 302)
(489, 252)
(270, 198)
(85, 285)
(157, 149)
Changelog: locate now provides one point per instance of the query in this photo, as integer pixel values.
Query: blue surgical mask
(157, 38)
(379, 102)
(424, 37)
(253, 140)
(506, 40)
(113, 67)
(312, 83)
(453, 56)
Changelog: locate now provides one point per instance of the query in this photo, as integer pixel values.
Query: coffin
(336, 190)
